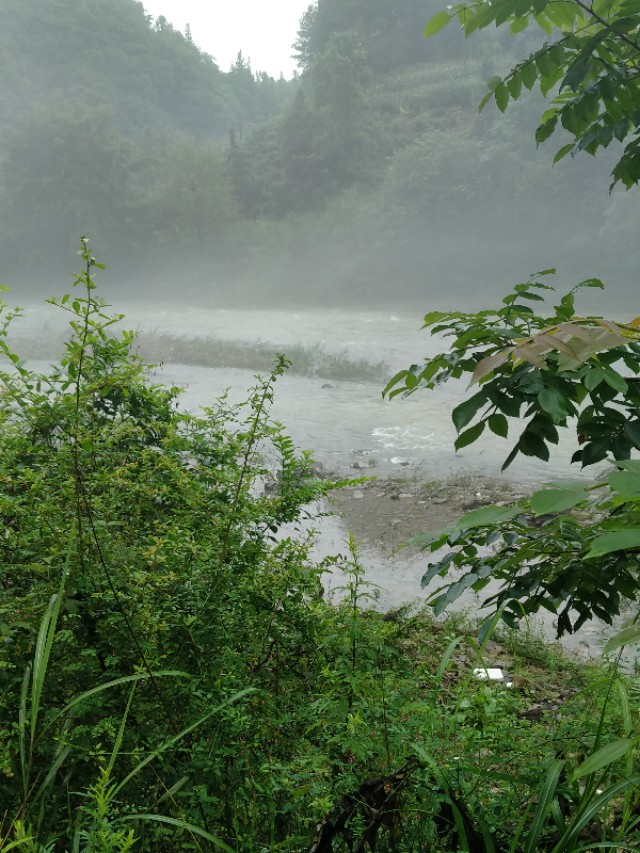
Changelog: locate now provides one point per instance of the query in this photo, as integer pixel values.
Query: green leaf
(510, 458)
(510, 406)
(561, 14)
(466, 411)
(544, 23)
(618, 540)
(431, 536)
(593, 378)
(603, 757)
(545, 62)
(532, 445)
(529, 74)
(554, 403)
(487, 516)
(625, 483)
(514, 85)
(632, 432)
(591, 282)
(545, 130)
(614, 380)
(469, 436)
(595, 451)
(556, 500)
(498, 425)
(563, 152)
(518, 26)
(501, 95)
(630, 634)
(434, 317)
(437, 23)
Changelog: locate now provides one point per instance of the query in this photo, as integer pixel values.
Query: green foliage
(546, 369)
(549, 369)
(571, 549)
(173, 679)
(590, 65)
(156, 523)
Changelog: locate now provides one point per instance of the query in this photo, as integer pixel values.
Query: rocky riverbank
(386, 513)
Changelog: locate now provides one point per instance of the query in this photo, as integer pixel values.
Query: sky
(263, 29)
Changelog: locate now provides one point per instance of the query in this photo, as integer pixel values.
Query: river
(348, 426)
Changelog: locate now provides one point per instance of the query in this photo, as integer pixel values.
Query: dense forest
(372, 165)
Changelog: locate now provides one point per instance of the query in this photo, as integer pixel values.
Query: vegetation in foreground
(173, 678)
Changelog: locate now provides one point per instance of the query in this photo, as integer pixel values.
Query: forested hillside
(110, 123)
(372, 166)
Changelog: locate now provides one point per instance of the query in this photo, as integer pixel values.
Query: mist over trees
(373, 165)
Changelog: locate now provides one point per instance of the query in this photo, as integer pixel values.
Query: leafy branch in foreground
(547, 369)
(572, 549)
(592, 63)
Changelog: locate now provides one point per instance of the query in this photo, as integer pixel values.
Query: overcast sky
(263, 29)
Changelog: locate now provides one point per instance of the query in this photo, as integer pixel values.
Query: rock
(357, 496)
(583, 650)
(405, 495)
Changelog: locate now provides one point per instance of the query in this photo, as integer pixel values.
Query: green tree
(590, 66)
(65, 167)
(190, 202)
(552, 369)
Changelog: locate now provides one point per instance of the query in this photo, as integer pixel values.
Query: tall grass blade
(607, 754)
(22, 728)
(460, 829)
(57, 763)
(12, 845)
(168, 795)
(119, 738)
(446, 658)
(44, 644)
(125, 679)
(181, 824)
(546, 797)
(625, 709)
(628, 727)
(587, 814)
(176, 738)
(486, 629)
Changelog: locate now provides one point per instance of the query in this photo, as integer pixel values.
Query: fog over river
(351, 430)
(343, 421)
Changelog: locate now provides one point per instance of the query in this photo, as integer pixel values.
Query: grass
(306, 360)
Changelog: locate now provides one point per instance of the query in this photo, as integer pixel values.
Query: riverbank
(386, 513)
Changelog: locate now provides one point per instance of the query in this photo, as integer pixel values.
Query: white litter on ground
(489, 674)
